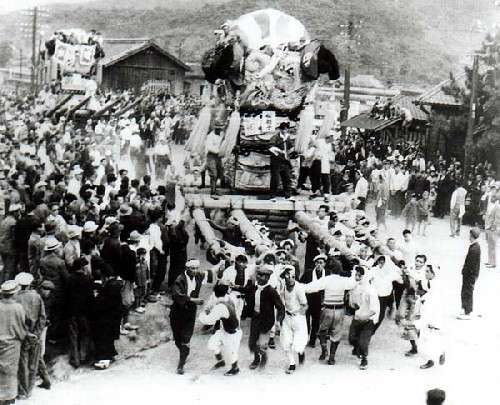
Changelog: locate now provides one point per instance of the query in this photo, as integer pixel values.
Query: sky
(7, 6)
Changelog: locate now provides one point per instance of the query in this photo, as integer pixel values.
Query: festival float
(264, 69)
(71, 57)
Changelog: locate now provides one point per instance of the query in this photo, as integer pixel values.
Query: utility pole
(33, 49)
(472, 114)
(350, 34)
(20, 70)
(32, 28)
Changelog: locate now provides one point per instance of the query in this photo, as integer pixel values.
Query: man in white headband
(185, 293)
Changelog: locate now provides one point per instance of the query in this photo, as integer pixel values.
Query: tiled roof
(408, 102)
(364, 121)
(436, 95)
(119, 49)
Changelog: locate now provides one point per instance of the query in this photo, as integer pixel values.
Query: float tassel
(231, 136)
(305, 130)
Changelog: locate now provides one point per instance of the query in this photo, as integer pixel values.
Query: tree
(486, 133)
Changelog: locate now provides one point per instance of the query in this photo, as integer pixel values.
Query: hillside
(415, 41)
(152, 4)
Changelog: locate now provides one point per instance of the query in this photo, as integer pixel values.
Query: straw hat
(9, 287)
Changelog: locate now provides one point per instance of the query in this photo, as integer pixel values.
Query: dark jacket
(133, 222)
(128, 263)
(80, 294)
(53, 268)
(269, 301)
(107, 309)
(472, 261)
(278, 142)
(179, 292)
(111, 253)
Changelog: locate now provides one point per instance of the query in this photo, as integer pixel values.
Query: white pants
(430, 344)
(226, 344)
(294, 334)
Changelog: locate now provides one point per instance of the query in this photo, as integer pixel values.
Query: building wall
(194, 86)
(135, 70)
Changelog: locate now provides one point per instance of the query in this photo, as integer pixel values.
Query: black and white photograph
(262, 202)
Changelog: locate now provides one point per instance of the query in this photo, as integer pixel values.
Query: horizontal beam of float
(252, 203)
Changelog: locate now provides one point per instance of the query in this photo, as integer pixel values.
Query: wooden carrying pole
(128, 107)
(58, 106)
(248, 229)
(72, 110)
(314, 228)
(106, 108)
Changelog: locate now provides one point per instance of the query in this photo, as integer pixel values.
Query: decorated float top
(269, 58)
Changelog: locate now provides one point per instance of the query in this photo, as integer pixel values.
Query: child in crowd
(410, 213)
(142, 281)
(423, 212)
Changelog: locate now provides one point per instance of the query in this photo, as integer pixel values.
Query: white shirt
(323, 222)
(382, 278)
(323, 153)
(213, 143)
(409, 250)
(334, 287)
(191, 285)
(155, 241)
(229, 275)
(219, 311)
(361, 189)
(135, 141)
(162, 149)
(74, 186)
(257, 296)
(294, 300)
(397, 181)
(366, 297)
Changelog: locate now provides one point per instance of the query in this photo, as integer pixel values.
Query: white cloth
(366, 297)
(382, 278)
(257, 297)
(293, 335)
(294, 300)
(191, 285)
(431, 342)
(397, 182)
(213, 143)
(74, 187)
(155, 241)
(361, 189)
(323, 153)
(221, 342)
(334, 287)
(227, 344)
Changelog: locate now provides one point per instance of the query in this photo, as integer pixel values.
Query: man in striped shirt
(333, 312)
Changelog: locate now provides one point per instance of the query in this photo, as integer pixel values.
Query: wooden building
(446, 112)
(194, 82)
(132, 63)
(395, 131)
